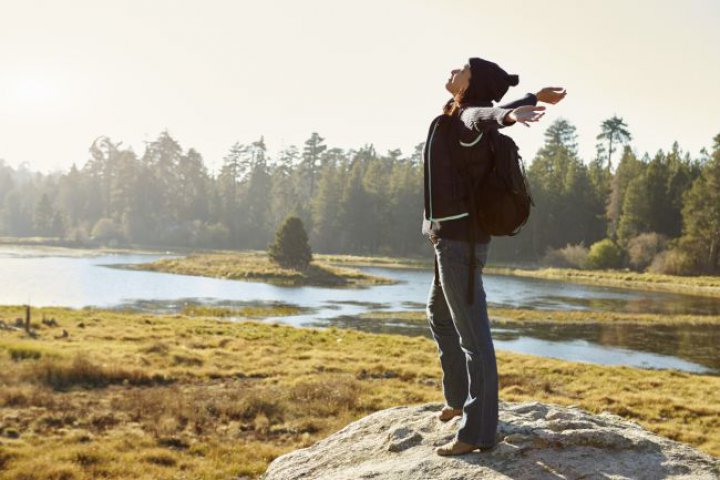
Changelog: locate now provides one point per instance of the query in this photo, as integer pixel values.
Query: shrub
(327, 397)
(105, 230)
(24, 353)
(61, 375)
(570, 256)
(672, 262)
(214, 235)
(291, 248)
(605, 254)
(643, 248)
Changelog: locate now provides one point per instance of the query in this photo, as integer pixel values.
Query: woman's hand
(551, 94)
(524, 114)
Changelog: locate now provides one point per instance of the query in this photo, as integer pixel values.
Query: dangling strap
(437, 273)
(471, 246)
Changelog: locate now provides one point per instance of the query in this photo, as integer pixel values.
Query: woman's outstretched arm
(528, 99)
(550, 95)
(479, 119)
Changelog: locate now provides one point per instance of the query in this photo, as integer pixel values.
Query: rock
(64, 334)
(49, 322)
(536, 441)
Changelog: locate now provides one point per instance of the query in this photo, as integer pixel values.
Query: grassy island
(691, 285)
(109, 394)
(255, 266)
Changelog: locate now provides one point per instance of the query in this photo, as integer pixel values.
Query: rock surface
(535, 441)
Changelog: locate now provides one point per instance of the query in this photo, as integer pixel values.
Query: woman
(462, 330)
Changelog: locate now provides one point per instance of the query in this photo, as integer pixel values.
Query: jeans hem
(473, 442)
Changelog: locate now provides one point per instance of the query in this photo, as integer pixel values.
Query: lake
(62, 277)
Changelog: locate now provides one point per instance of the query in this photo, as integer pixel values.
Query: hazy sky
(216, 72)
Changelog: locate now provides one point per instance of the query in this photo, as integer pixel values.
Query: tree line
(662, 210)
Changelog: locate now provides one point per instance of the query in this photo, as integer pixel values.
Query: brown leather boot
(458, 447)
(448, 413)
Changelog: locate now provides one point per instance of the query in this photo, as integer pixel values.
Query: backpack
(499, 197)
(497, 190)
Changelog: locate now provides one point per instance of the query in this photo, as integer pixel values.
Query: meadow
(116, 394)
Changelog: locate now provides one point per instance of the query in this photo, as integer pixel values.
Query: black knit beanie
(487, 82)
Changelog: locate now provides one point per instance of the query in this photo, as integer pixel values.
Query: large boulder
(536, 441)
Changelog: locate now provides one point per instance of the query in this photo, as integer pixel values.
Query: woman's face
(459, 80)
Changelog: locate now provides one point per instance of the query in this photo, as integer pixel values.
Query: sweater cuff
(501, 117)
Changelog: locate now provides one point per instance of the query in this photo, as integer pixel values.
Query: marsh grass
(24, 352)
(82, 372)
(520, 315)
(377, 261)
(256, 266)
(249, 311)
(253, 391)
(692, 285)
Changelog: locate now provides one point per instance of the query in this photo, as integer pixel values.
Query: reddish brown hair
(452, 105)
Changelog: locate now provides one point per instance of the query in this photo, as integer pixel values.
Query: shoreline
(702, 286)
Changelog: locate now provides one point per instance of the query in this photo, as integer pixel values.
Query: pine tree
(630, 167)
(58, 224)
(291, 248)
(600, 180)
(356, 216)
(43, 217)
(284, 189)
(255, 223)
(635, 210)
(311, 156)
(701, 216)
(561, 190)
(614, 130)
(324, 208)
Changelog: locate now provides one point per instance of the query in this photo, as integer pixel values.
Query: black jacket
(445, 213)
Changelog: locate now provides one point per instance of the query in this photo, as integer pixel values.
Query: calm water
(46, 277)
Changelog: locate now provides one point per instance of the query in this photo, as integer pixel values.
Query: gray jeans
(462, 334)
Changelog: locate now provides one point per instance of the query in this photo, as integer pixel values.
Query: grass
(255, 266)
(135, 395)
(377, 261)
(692, 285)
(249, 311)
(519, 315)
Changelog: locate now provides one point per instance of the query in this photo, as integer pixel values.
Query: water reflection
(542, 294)
(688, 348)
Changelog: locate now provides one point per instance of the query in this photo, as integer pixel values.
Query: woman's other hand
(551, 94)
(525, 114)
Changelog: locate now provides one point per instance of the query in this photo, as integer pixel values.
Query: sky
(215, 72)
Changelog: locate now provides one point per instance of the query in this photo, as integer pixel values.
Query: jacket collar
(476, 103)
